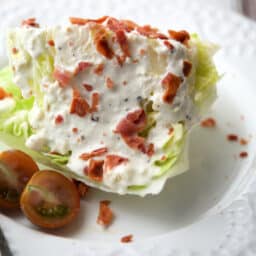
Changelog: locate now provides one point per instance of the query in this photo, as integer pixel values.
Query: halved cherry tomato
(50, 200)
(16, 168)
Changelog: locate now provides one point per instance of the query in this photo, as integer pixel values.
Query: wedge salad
(107, 102)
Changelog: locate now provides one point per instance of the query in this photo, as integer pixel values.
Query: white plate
(206, 211)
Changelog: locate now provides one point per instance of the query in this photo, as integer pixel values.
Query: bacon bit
(135, 61)
(95, 170)
(82, 66)
(96, 152)
(15, 50)
(126, 239)
(112, 161)
(81, 188)
(74, 130)
(243, 141)
(129, 25)
(187, 66)
(59, 119)
(81, 21)
(124, 83)
(128, 128)
(150, 32)
(51, 43)
(63, 77)
(120, 59)
(150, 150)
(4, 94)
(79, 105)
(171, 84)
(123, 42)
(109, 83)
(208, 122)
(88, 87)
(106, 215)
(142, 52)
(30, 22)
(99, 69)
(101, 43)
(168, 45)
(163, 158)
(232, 137)
(114, 24)
(95, 102)
(243, 154)
(171, 130)
(180, 36)
(134, 122)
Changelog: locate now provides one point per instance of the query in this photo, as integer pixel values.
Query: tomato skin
(19, 167)
(50, 200)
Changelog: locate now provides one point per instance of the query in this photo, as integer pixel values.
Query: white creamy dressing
(74, 44)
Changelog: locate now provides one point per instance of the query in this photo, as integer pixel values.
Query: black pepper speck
(95, 118)
(126, 99)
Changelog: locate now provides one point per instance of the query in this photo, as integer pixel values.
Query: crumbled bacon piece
(81, 21)
(168, 45)
(120, 59)
(127, 239)
(187, 66)
(63, 77)
(30, 22)
(95, 170)
(74, 130)
(99, 69)
(59, 119)
(208, 122)
(124, 82)
(123, 42)
(14, 50)
(150, 150)
(128, 25)
(114, 24)
(3, 94)
(180, 36)
(171, 84)
(88, 87)
(96, 152)
(243, 154)
(95, 102)
(171, 130)
(81, 188)
(142, 52)
(82, 66)
(101, 43)
(106, 215)
(150, 32)
(133, 123)
(79, 105)
(232, 137)
(109, 83)
(130, 126)
(243, 141)
(112, 161)
(51, 43)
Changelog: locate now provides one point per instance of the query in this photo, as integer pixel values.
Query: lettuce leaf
(173, 149)
(206, 74)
